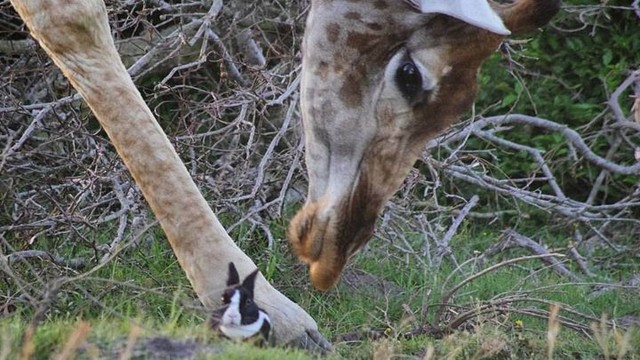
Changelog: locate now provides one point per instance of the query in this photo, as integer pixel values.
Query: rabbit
(240, 317)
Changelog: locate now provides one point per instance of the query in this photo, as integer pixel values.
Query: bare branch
(512, 239)
(76, 263)
(443, 248)
(449, 294)
(569, 134)
(614, 103)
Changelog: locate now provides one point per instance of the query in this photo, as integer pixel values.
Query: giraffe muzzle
(325, 237)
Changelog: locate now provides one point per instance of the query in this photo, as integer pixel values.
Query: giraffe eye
(409, 81)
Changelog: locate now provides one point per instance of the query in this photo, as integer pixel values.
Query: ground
(385, 307)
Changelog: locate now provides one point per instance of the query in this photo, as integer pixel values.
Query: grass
(375, 313)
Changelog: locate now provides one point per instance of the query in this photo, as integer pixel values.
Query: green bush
(565, 73)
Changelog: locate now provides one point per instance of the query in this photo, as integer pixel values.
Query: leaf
(607, 57)
(509, 99)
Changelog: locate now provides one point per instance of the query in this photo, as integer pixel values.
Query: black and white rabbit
(240, 317)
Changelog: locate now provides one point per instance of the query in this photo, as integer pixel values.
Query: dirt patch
(163, 348)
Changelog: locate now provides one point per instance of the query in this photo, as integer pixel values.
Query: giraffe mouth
(326, 233)
(325, 243)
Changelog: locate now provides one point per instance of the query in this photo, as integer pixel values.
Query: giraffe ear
(474, 12)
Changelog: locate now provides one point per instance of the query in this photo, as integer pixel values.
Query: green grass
(146, 289)
(108, 338)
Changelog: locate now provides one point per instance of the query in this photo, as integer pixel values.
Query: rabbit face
(241, 310)
(240, 317)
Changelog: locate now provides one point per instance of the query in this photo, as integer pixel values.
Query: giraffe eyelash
(410, 77)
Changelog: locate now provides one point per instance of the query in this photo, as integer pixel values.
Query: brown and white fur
(362, 135)
(240, 317)
(363, 132)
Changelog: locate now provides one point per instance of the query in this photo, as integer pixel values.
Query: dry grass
(74, 341)
(553, 329)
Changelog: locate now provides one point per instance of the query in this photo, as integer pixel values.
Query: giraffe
(380, 77)
(76, 35)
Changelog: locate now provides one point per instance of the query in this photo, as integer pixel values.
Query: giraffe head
(379, 79)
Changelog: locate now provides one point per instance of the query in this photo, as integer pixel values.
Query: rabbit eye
(226, 296)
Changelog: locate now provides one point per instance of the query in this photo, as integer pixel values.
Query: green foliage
(558, 67)
(565, 73)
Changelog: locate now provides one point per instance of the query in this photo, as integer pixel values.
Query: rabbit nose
(231, 316)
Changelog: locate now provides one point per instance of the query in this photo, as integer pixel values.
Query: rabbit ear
(250, 281)
(232, 277)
